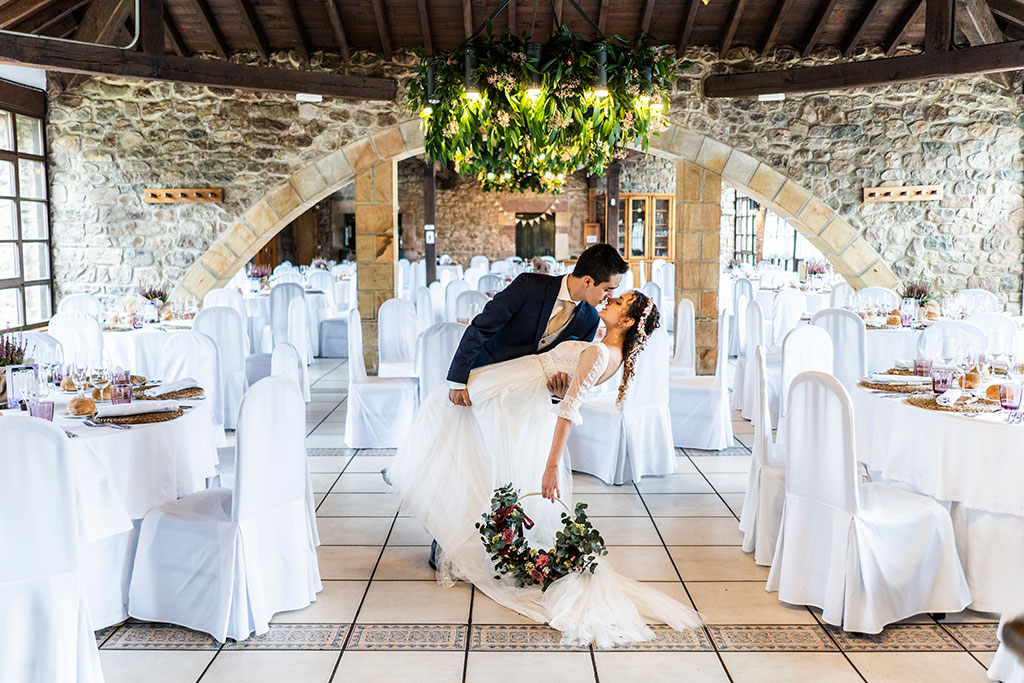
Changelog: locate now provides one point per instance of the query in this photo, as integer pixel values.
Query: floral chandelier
(517, 115)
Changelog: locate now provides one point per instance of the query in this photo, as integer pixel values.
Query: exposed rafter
(467, 17)
(339, 28)
(938, 25)
(17, 11)
(602, 16)
(865, 24)
(1009, 11)
(730, 29)
(425, 33)
(689, 17)
(253, 27)
(382, 30)
(557, 19)
(177, 42)
(209, 23)
(512, 28)
(50, 16)
(291, 15)
(645, 22)
(152, 36)
(781, 9)
(819, 25)
(909, 18)
(976, 22)
(100, 24)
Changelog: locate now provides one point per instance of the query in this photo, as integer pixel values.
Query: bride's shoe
(385, 477)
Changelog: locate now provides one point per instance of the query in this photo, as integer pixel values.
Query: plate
(68, 416)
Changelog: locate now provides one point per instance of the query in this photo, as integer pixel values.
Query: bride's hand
(549, 484)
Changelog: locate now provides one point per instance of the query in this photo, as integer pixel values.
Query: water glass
(43, 409)
(922, 367)
(908, 312)
(1009, 396)
(942, 378)
(120, 393)
(121, 376)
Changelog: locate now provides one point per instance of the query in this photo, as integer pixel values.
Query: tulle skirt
(447, 468)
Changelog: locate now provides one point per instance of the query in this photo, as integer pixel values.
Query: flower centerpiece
(12, 352)
(577, 546)
(920, 290)
(519, 116)
(258, 276)
(156, 298)
(540, 265)
(319, 263)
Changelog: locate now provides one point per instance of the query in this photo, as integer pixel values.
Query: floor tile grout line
(343, 468)
(117, 628)
(320, 423)
(210, 663)
(952, 635)
(469, 633)
(835, 642)
(690, 458)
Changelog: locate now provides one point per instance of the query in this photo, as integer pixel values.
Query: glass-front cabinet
(645, 233)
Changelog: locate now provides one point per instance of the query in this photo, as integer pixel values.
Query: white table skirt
(887, 346)
(137, 350)
(975, 465)
(258, 308)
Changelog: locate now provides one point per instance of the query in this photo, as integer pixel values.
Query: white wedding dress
(452, 460)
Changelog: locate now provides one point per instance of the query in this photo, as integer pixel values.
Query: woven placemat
(897, 371)
(143, 418)
(194, 392)
(900, 388)
(982, 405)
(138, 380)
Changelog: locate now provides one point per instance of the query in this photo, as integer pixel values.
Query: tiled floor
(382, 617)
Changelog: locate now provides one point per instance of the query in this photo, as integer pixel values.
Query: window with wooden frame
(646, 227)
(26, 269)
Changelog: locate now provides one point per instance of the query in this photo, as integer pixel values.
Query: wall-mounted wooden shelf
(903, 193)
(177, 195)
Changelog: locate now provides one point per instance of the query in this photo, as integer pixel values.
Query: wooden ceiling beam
(49, 16)
(556, 20)
(602, 16)
(425, 32)
(730, 28)
(781, 9)
(174, 36)
(645, 22)
(864, 25)
(209, 23)
(17, 11)
(819, 25)
(983, 59)
(382, 30)
(100, 24)
(339, 29)
(97, 60)
(938, 25)
(291, 15)
(512, 12)
(1009, 11)
(152, 35)
(976, 22)
(467, 18)
(252, 25)
(689, 17)
(909, 18)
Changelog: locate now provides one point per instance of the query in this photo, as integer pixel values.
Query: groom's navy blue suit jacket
(513, 323)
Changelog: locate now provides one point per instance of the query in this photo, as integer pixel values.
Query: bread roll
(972, 380)
(81, 405)
(992, 392)
(66, 384)
(101, 396)
(893, 320)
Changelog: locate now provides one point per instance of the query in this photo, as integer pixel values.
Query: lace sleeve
(591, 365)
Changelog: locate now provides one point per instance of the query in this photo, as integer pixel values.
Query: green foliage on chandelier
(509, 139)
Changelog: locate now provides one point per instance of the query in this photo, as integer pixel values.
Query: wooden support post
(611, 223)
(429, 216)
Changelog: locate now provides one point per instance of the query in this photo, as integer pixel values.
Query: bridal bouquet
(576, 546)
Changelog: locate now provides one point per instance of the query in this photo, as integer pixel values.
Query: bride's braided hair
(645, 313)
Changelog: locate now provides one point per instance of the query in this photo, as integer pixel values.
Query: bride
(454, 457)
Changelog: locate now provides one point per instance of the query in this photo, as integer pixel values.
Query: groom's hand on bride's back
(558, 384)
(459, 397)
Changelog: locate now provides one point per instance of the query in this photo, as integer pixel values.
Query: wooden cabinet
(646, 229)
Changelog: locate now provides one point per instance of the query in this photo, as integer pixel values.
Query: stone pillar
(376, 248)
(698, 214)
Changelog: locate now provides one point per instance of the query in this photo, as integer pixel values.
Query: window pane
(30, 135)
(36, 257)
(6, 178)
(33, 220)
(8, 224)
(6, 139)
(10, 308)
(32, 179)
(37, 304)
(8, 261)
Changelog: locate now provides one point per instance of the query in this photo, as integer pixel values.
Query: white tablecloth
(138, 350)
(888, 346)
(118, 476)
(974, 464)
(258, 308)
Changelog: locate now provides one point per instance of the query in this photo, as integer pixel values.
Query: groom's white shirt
(563, 295)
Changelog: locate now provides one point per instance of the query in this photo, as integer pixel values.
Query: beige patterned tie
(561, 318)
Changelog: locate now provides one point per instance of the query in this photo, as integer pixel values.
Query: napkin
(949, 397)
(139, 408)
(170, 387)
(882, 378)
(903, 364)
(874, 322)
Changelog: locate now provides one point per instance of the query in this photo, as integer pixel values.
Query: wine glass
(80, 373)
(100, 375)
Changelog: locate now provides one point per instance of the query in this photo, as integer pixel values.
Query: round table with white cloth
(118, 476)
(814, 301)
(885, 347)
(974, 464)
(137, 350)
(258, 308)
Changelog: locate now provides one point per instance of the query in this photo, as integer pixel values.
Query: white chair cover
(424, 309)
(472, 276)
(840, 296)
(1000, 331)
(469, 304)
(323, 281)
(849, 343)
(434, 353)
(501, 267)
(766, 482)
(790, 304)
(283, 267)
(451, 295)
(806, 348)
(280, 296)
(741, 287)
(193, 354)
(40, 345)
(653, 291)
(380, 409)
(78, 333)
(396, 339)
(626, 283)
(740, 371)
(942, 339)
(866, 554)
(480, 261)
(232, 299)
(287, 361)
(298, 329)
(239, 281)
(46, 635)
(978, 301)
(684, 361)
(437, 300)
(404, 278)
(700, 405)
(224, 326)
(755, 336)
(491, 283)
(444, 276)
(889, 298)
(1006, 666)
(225, 562)
(622, 443)
(82, 303)
(287, 277)
(419, 274)
(667, 280)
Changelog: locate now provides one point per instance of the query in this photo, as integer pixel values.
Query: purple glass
(908, 319)
(58, 374)
(922, 367)
(1009, 396)
(120, 393)
(120, 376)
(43, 409)
(941, 380)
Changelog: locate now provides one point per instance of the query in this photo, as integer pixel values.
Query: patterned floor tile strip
(409, 637)
(147, 636)
(377, 451)
(975, 637)
(330, 451)
(732, 450)
(900, 638)
(802, 638)
(518, 639)
(295, 637)
(667, 639)
(104, 632)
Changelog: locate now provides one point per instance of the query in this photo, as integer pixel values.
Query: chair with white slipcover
(78, 333)
(1006, 666)
(755, 335)
(280, 296)
(766, 481)
(849, 343)
(469, 304)
(1000, 331)
(502, 267)
(39, 345)
(437, 299)
(480, 261)
(82, 303)
(946, 337)
(424, 309)
(888, 298)
(419, 274)
(225, 328)
(298, 329)
(223, 296)
(396, 339)
(652, 290)
(978, 301)
(684, 360)
(321, 280)
(403, 279)
(491, 282)
(193, 355)
(667, 280)
(288, 276)
(626, 283)
(284, 267)
(739, 372)
(287, 361)
(866, 554)
(790, 305)
(225, 561)
(742, 287)
(472, 276)
(380, 409)
(434, 352)
(699, 406)
(622, 443)
(451, 294)
(806, 348)
(841, 294)
(46, 635)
